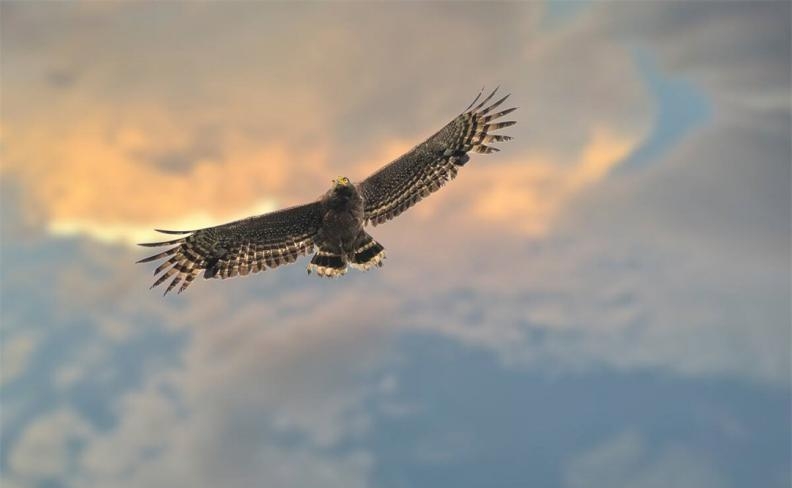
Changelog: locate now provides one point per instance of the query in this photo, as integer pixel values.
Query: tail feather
(328, 264)
(368, 254)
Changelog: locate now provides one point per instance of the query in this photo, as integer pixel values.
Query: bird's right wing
(238, 248)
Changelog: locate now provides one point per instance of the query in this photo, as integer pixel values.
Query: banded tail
(367, 254)
(328, 263)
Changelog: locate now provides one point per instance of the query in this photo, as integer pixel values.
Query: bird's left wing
(429, 165)
(238, 248)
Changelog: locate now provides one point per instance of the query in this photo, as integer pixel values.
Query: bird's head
(342, 190)
(342, 186)
(341, 181)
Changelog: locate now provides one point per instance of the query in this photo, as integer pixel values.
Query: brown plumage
(334, 223)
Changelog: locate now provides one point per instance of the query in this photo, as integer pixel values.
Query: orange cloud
(536, 187)
(153, 125)
(97, 178)
(533, 187)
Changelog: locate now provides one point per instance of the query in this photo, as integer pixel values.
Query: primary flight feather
(334, 224)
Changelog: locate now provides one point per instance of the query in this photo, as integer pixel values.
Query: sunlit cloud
(547, 260)
(106, 186)
(530, 192)
(107, 183)
(110, 233)
(214, 137)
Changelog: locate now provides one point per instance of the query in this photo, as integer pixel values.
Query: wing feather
(431, 164)
(237, 248)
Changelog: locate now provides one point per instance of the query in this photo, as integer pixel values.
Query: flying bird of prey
(334, 224)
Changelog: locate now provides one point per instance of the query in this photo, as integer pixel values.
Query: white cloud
(626, 461)
(244, 385)
(113, 233)
(15, 355)
(681, 265)
(44, 452)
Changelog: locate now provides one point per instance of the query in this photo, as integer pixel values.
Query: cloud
(112, 233)
(627, 461)
(217, 134)
(738, 53)
(542, 255)
(87, 180)
(693, 249)
(705, 230)
(245, 384)
(43, 453)
(16, 351)
(536, 190)
(555, 177)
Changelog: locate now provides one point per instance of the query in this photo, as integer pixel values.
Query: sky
(603, 303)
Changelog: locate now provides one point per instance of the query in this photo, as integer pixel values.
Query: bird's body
(342, 219)
(335, 223)
(341, 239)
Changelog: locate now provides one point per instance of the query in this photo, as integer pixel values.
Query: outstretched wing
(429, 165)
(238, 248)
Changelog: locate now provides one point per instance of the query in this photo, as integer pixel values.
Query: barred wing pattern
(429, 165)
(238, 248)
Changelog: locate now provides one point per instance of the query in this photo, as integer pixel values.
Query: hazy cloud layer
(121, 117)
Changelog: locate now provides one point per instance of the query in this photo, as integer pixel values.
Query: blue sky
(605, 303)
(680, 109)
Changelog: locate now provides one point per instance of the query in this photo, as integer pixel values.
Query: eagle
(334, 224)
